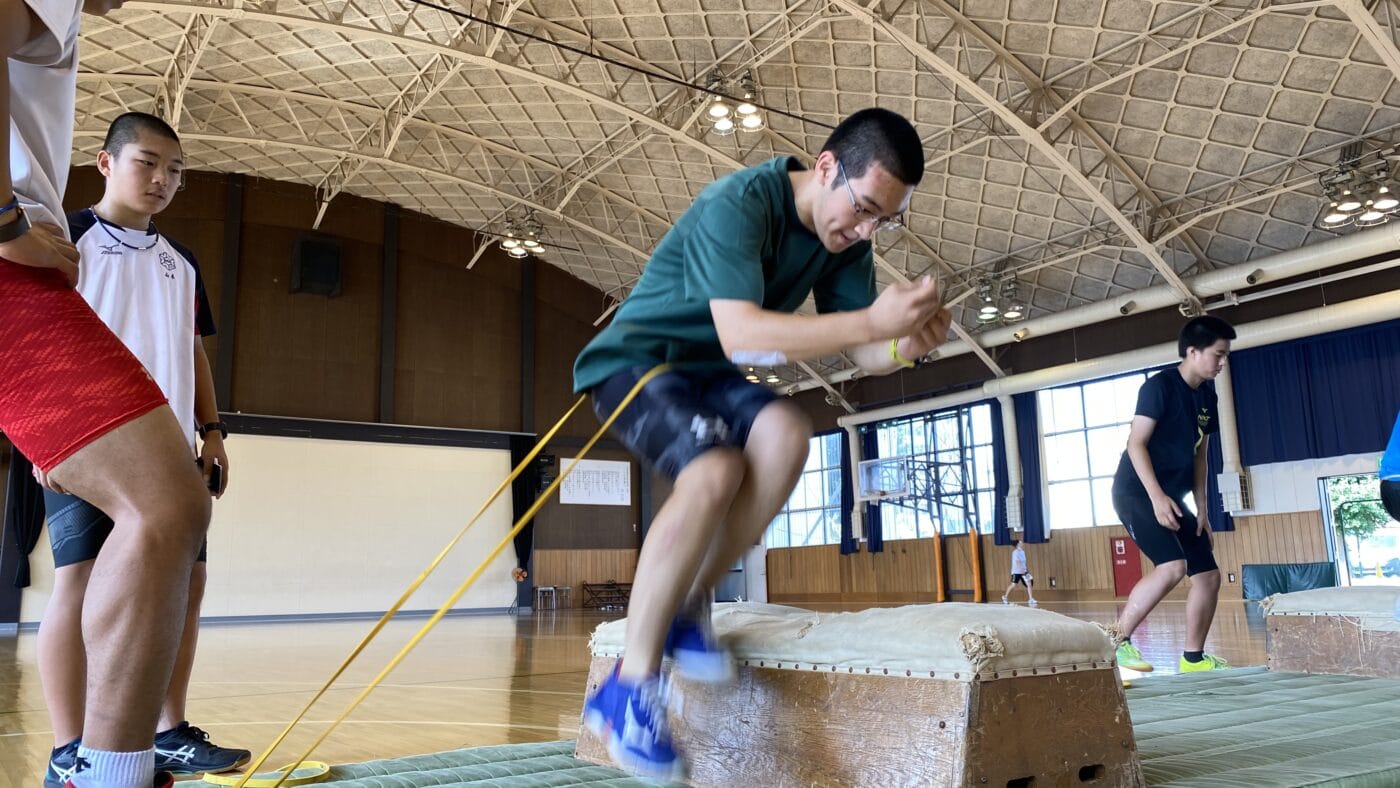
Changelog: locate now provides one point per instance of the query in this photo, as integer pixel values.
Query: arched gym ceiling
(1093, 147)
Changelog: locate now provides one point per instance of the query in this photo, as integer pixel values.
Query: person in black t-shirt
(1165, 459)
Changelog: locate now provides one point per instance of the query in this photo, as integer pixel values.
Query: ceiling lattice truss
(1092, 147)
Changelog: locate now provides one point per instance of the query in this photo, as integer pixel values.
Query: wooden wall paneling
(574, 526)
(301, 354)
(857, 574)
(458, 354)
(1079, 559)
(805, 574)
(823, 573)
(573, 568)
(957, 558)
(565, 311)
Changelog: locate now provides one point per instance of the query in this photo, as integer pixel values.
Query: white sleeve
(55, 44)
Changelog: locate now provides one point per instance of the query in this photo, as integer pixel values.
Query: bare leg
(678, 540)
(173, 712)
(1006, 595)
(1148, 592)
(1200, 608)
(62, 658)
(142, 475)
(1030, 591)
(776, 451)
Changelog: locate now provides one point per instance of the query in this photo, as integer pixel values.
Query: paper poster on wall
(597, 483)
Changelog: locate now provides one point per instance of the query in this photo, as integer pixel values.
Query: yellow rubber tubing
(520, 524)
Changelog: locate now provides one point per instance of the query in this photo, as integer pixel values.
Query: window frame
(978, 460)
(821, 517)
(1049, 434)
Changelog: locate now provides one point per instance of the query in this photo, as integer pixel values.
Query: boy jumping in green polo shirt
(721, 289)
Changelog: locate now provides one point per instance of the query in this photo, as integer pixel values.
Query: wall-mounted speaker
(316, 266)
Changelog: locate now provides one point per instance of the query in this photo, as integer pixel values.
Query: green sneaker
(1129, 657)
(1209, 662)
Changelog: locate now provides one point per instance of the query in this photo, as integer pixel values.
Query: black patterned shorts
(680, 415)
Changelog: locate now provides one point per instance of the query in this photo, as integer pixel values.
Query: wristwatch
(205, 429)
(13, 230)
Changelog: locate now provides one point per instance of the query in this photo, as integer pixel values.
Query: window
(812, 515)
(952, 479)
(1084, 429)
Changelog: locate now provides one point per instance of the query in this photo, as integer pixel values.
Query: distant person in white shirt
(1019, 574)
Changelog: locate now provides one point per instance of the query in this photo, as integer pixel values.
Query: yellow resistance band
(452, 600)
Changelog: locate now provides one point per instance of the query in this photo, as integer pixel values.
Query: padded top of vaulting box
(955, 641)
(1372, 606)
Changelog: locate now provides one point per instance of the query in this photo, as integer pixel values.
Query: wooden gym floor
(476, 680)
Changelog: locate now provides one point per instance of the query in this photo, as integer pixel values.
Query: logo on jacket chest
(167, 261)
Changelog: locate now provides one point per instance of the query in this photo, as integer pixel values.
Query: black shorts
(1020, 578)
(1390, 497)
(680, 415)
(77, 529)
(1162, 545)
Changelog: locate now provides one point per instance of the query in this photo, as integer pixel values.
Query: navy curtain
(1028, 436)
(1220, 520)
(1001, 531)
(1322, 396)
(523, 492)
(874, 530)
(849, 544)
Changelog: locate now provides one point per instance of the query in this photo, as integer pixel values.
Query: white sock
(116, 769)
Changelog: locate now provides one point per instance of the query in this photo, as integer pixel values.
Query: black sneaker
(185, 749)
(63, 764)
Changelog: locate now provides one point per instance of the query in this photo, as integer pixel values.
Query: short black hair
(128, 126)
(1202, 332)
(878, 136)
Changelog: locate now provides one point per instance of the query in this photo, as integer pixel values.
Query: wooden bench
(607, 596)
(1348, 631)
(941, 695)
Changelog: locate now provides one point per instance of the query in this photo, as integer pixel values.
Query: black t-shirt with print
(1184, 417)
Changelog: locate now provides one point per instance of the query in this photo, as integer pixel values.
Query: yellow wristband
(898, 359)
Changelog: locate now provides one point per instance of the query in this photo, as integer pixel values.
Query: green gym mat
(1237, 728)
(1250, 727)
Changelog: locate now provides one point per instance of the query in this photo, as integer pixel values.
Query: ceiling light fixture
(999, 301)
(725, 115)
(1356, 191)
(521, 237)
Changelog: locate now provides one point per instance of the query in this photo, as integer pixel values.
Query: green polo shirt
(741, 239)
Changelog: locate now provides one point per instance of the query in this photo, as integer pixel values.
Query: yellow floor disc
(307, 772)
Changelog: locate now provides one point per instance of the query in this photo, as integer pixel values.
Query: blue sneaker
(63, 764)
(631, 718)
(697, 652)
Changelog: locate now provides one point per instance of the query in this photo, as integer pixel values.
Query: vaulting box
(934, 695)
(1349, 631)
